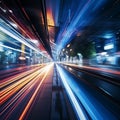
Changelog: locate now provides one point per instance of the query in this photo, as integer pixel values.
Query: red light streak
(10, 90)
(98, 69)
(14, 78)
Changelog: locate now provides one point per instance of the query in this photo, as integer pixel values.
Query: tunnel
(60, 59)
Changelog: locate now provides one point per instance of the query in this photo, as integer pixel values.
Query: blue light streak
(83, 15)
(94, 108)
(75, 103)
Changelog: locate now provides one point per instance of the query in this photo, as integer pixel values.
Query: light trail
(17, 36)
(72, 97)
(19, 68)
(13, 49)
(95, 109)
(19, 26)
(103, 69)
(22, 94)
(78, 21)
(14, 78)
(28, 86)
(10, 90)
(98, 69)
(47, 69)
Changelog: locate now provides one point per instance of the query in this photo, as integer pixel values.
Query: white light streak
(72, 97)
(13, 48)
(19, 38)
(16, 38)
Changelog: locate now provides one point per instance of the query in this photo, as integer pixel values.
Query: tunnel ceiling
(58, 23)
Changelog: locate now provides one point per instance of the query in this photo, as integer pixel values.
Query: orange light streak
(35, 93)
(21, 94)
(14, 78)
(27, 88)
(10, 90)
